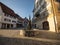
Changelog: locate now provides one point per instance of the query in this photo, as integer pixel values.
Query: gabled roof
(7, 9)
(20, 18)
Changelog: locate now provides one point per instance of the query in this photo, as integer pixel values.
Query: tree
(29, 25)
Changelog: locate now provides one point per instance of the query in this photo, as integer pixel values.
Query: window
(7, 20)
(6, 14)
(37, 15)
(14, 21)
(44, 5)
(19, 21)
(12, 25)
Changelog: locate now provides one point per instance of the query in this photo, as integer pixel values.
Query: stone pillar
(6, 26)
(22, 33)
(10, 26)
(14, 25)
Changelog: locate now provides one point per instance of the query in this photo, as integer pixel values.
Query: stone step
(41, 39)
(27, 41)
(46, 34)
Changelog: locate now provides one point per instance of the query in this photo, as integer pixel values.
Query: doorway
(8, 26)
(46, 25)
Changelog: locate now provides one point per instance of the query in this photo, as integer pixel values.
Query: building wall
(2, 17)
(1, 13)
(7, 22)
(56, 7)
(39, 24)
(51, 23)
(8, 18)
(49, 17)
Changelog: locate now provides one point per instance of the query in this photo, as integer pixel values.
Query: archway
(46, 25)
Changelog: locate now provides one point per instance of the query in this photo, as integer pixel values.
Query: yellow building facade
(46, 15)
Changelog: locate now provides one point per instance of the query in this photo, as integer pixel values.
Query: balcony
(19, 22)
(36, 18)
(38, 8)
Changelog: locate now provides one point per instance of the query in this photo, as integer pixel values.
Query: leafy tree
(29, 25)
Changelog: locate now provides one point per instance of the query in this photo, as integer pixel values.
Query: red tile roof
(7, 10)
(20, 18)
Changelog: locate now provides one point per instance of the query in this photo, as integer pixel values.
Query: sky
(23, 8)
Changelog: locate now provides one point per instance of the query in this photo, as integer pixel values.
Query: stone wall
(10, 32)
(27, 41)
(45, 34)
